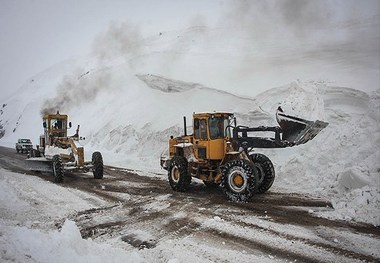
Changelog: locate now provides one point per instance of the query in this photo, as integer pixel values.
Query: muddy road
(280, 226)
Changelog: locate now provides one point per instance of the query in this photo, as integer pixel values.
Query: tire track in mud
(203, 203)
(282, 208)
(325, 246)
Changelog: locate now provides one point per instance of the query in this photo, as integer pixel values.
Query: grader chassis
(58, 152)
(220, 153)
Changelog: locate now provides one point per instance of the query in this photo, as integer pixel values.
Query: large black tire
(97, 162)
(266, 172)
(18, 150)
(239, 180)
(179, 178)
(58, 171)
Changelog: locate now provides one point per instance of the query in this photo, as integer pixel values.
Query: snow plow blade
(296, 130)
(39, 164)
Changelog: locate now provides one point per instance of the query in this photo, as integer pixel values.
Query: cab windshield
(218, 127)
(58, 124)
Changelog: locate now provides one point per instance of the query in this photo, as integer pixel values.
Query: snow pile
(25, 238)
(50, 151)
(21, 244)
(341, 163)
(40, 200)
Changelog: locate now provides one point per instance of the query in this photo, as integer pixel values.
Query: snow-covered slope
(129, 99)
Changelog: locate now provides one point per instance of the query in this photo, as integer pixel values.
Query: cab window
(203, 128)
(196, 129)
(200, 129)
(226, 129)
(216, 127)
(57, 124)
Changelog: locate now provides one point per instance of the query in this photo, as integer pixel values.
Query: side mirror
(44, 124)
(70, 124)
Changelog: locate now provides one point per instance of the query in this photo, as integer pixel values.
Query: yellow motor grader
(58, 152)
(220, 153)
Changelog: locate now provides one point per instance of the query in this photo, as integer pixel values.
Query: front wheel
(97, 162)
(58, 170)
(177, 173)
(239, 180)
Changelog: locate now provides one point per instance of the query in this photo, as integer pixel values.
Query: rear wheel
(58, 171)
(177, 173)
(239, 179)
(97, 162)
(265, 170)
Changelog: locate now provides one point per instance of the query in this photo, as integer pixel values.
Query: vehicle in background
(24, 145)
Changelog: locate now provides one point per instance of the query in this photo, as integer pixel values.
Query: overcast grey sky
(35, 34)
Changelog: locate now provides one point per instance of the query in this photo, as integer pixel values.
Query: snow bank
(36, 205)
(341, 163)
(21, 244)
(43, 202)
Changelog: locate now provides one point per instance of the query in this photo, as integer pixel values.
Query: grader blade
(296, 130)
(39, 164)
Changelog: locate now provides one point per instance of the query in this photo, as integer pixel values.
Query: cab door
(201, 141)
(217, 136)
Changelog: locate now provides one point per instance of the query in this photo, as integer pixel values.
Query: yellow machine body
(208, 147)
(55, 134)
(220, 152)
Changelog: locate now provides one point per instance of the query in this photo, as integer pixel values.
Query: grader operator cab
(220, 153)
(58, 152)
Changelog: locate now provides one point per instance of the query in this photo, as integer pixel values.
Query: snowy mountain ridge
(170, 85)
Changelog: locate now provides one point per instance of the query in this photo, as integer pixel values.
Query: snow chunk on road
(362, 204)
(21, 244)
(353, 177)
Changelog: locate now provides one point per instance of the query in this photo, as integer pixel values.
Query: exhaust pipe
(184, 125)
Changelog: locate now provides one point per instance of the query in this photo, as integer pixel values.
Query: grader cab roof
(55, 116)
